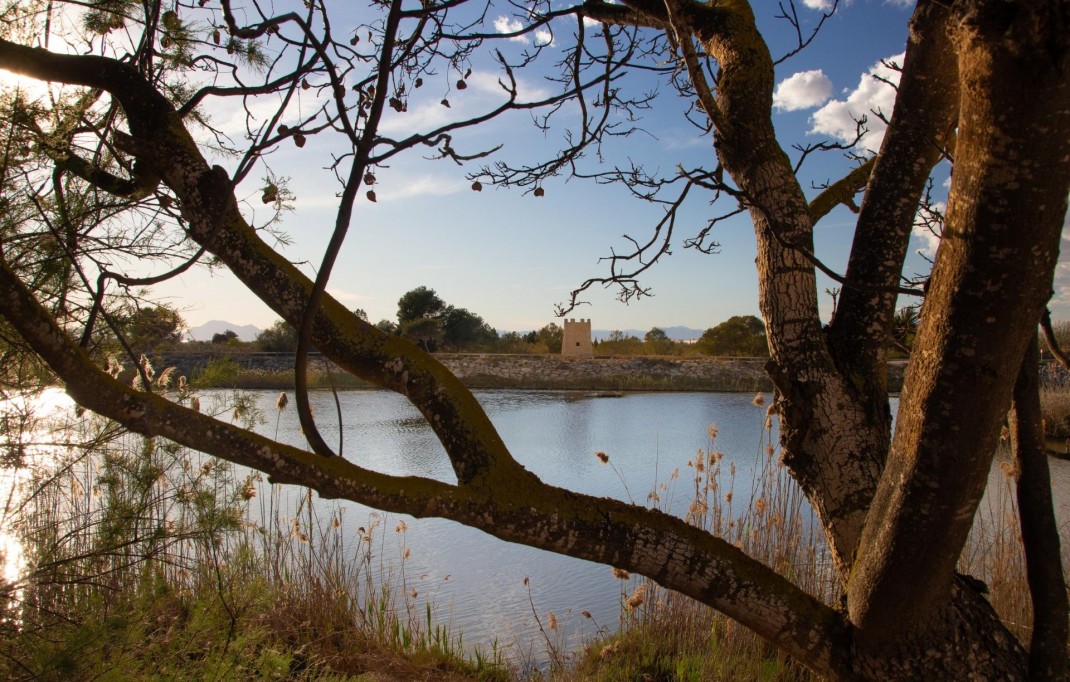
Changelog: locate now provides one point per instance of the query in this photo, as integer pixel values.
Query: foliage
(419, 303)
(281, 337)
(551, 336)
(218, 373)
(464, 330)
(618, 343)
(152, 328)
(428, 321)
(657, 342)
(904, 329)
(742, 335)
(166, 570)
(225, 337)
(426, 332)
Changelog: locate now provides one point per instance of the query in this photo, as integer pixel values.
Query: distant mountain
(674, 333)
(205, 332)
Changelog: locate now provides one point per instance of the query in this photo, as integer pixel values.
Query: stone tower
(577, 339)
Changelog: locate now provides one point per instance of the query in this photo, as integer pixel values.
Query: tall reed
(145, 559)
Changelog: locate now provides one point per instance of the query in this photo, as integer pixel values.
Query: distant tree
(361, 313)
(619, 343)
(280, 337)
(464, 330)
(551, 336)
(531, 337)
(387, 327)
(150, 328)
(224, 337)
(657, 342)
(425, 332)
(740, 335)
(513, 342)
(420, 302)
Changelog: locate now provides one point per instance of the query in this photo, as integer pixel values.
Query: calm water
(477, 581)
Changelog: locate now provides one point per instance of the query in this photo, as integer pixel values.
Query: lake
(477, 582)
(490, 590)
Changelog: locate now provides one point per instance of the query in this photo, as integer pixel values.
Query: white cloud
(543, 37)
(802, 90)
(398, 187)
(837, 118)
(929, 241)
(820, 5)
(507, 25)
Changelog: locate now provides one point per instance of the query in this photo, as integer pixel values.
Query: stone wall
(609, 373)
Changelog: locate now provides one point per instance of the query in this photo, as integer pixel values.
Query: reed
(145, 560)
(666, 636)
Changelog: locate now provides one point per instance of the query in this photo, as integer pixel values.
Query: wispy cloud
(397, 187)
(491, 83)
(348, 296)
(542, 36)
(837, 118)
(802, 90)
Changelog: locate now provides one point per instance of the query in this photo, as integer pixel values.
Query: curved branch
(341, 227)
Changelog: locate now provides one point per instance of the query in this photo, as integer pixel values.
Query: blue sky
(510, 256)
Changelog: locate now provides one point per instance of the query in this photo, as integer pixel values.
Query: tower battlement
(576, 340)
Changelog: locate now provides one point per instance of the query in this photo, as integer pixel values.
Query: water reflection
(478, 582)
(555, 435)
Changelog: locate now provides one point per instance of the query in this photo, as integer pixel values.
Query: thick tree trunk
(990, 282)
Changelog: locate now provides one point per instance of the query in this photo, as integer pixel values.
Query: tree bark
(1040, 532)
(990, 282)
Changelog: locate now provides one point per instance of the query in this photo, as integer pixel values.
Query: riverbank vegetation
(140, 559)
(431, 323)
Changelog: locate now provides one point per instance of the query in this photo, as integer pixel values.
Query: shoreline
(228, 369)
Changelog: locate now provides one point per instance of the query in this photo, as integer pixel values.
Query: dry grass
(666, 636)
(146, 560)
(153, 561)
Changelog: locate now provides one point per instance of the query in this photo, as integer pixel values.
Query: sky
(510, 256)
